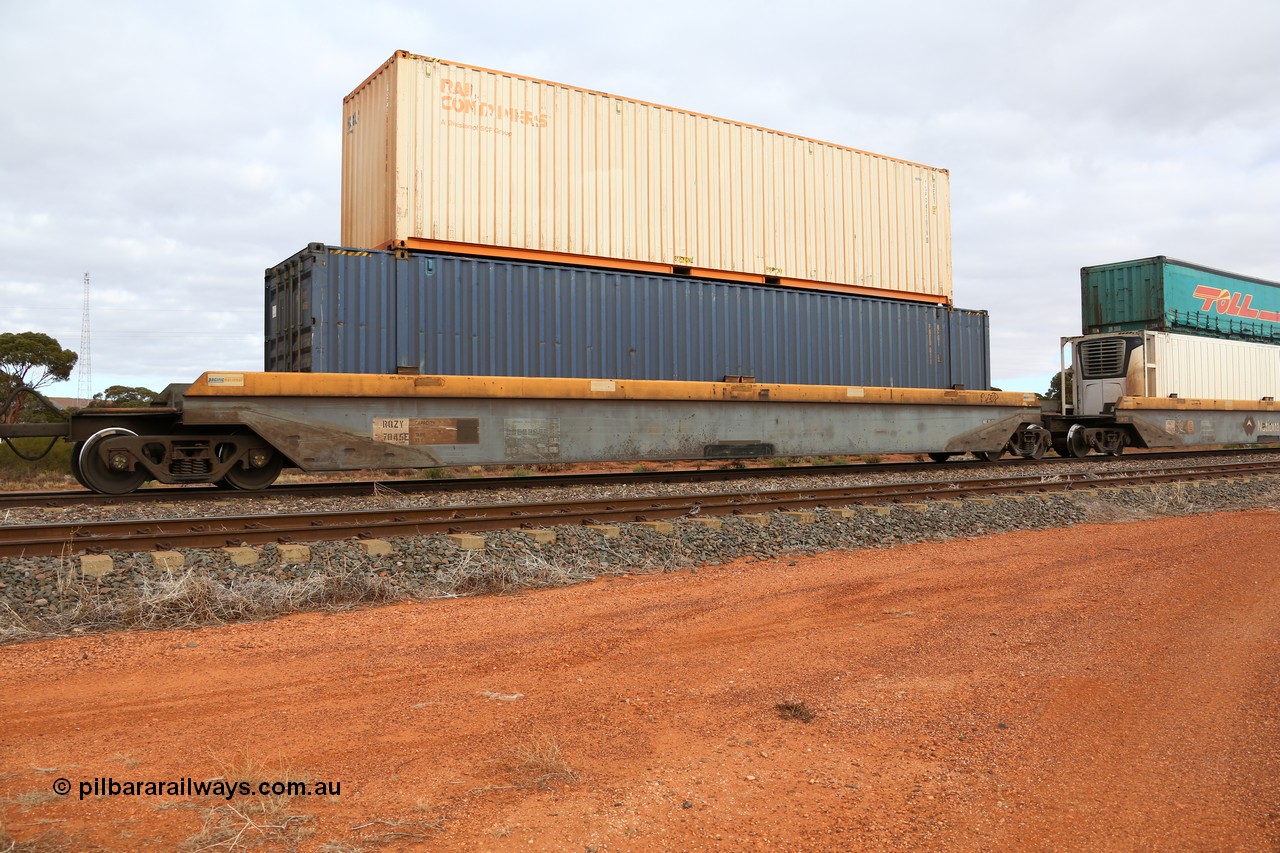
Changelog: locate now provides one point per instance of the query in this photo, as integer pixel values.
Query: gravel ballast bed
(43, 596)
(219, 504)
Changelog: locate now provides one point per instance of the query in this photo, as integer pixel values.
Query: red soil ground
(1106, 687)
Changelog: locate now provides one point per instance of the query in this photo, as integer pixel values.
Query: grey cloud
(176, 151)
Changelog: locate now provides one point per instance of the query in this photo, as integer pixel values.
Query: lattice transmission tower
(85, 363)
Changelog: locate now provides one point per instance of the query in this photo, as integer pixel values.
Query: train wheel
(254, 478)
(1076, 444)
(988, 455)
(222, 451)
(940, 457)
(75, 463)
(112, 477)
(1033, 442)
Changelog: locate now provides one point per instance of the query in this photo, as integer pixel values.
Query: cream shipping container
(444, 157)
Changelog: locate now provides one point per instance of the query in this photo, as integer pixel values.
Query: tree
(1061, 381)
(33, 359)
(123, 396)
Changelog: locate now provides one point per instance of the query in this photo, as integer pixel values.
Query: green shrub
(15, 471)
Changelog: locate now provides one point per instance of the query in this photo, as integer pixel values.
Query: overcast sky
(174, 151)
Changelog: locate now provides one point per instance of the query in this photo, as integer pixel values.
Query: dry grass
(538, 762)
(46, 842)
(38, 481)
(396, 833)
(192, 598)
(245, 826)
(31, 799)
(795, 709)
(1176, 499)
(15, 628)
(51, 472)
(474, 574)
(1168, 499)
(243, 823)
(1097, 511)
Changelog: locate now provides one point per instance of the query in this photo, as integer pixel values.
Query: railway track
(160, 494)
(166, 534)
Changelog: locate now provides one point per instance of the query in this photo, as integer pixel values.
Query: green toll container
(1165, 295)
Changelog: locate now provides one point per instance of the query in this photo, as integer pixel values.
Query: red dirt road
(1106, 687)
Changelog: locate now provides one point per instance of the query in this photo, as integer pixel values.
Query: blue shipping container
(333, 310)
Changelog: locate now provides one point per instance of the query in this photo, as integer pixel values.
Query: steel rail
(73, 497)
(166, 534)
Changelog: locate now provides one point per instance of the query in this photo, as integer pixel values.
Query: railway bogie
(1030, 441)
(117, 459)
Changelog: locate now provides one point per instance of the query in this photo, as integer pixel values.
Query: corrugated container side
(970, 347)
(1211, 368)
(439, 153)
(373, 312)
(1162, 294)
(329, 307)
